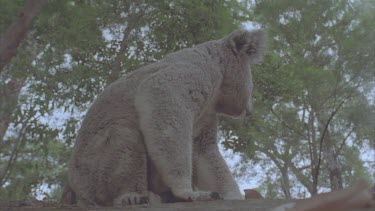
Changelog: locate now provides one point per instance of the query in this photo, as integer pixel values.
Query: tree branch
(13, 156)
(8, 101)
(288, 126)
(343, 143)
(323, 136)
(302, 178)
(133, 19)
(16, 32)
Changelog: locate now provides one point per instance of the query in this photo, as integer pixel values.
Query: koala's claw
(200, 196)
(144, 200)
(215, 196)
(130, 199)
(211, 196)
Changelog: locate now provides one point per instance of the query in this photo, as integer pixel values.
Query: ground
(250, 205)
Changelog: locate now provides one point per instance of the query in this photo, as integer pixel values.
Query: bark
(134, 17)
(10, 90)
(305, 181)
(16, 32)
(330, 158)
(284, 169)
(285, 186)
(323, 126)
(357, 197)
(334, 168)
(5, 171)
(11, 87)
(313, 153)
(9, 97)
(116, 66)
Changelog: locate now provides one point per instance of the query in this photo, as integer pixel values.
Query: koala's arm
(210, 169)
(166, 124)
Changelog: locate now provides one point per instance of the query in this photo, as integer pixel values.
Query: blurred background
(313, 127)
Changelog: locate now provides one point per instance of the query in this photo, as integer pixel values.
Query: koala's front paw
(215, 196)
(130, 199)
(198, 195)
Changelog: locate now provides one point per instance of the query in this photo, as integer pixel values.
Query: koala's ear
(253, 43)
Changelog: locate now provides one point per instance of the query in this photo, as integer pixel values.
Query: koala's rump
(109, 155)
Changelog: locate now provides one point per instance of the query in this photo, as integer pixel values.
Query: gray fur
(153, 133)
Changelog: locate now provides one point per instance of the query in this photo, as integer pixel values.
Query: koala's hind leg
(129, 178)
(167, 130)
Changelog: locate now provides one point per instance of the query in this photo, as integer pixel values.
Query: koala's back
(99, 159)
(109, 155)
(115, 104)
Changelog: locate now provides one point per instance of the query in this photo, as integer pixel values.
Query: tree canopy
(314, 112)
(314, 94)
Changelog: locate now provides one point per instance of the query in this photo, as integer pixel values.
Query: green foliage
(321, 64)
(41, 165)
(354, 167)
(8, 11)
(321, 53)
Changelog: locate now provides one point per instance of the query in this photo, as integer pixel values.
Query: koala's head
(242, 48)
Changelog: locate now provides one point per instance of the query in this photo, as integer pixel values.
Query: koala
(152, 134)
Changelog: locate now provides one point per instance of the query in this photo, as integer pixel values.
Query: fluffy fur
(152, 134)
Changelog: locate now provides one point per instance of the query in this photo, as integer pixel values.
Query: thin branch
(13, 156)
(334, 93)
(343, 143)
(310, 143)
(116, 66)
(133, 19)
(273, 157)
(302, 178)
(288, 126)
(323, 136)
(8, 101)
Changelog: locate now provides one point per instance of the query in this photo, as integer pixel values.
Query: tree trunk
(285, 186)
(10, 90)
(8, 165)
(116, 66)
(9, 93)
(16, 32)
(329, 155)
(333, 166)
(135, 14)
(11, 86)
(314, 154)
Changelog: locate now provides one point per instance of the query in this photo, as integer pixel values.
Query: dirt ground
(250, 205)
